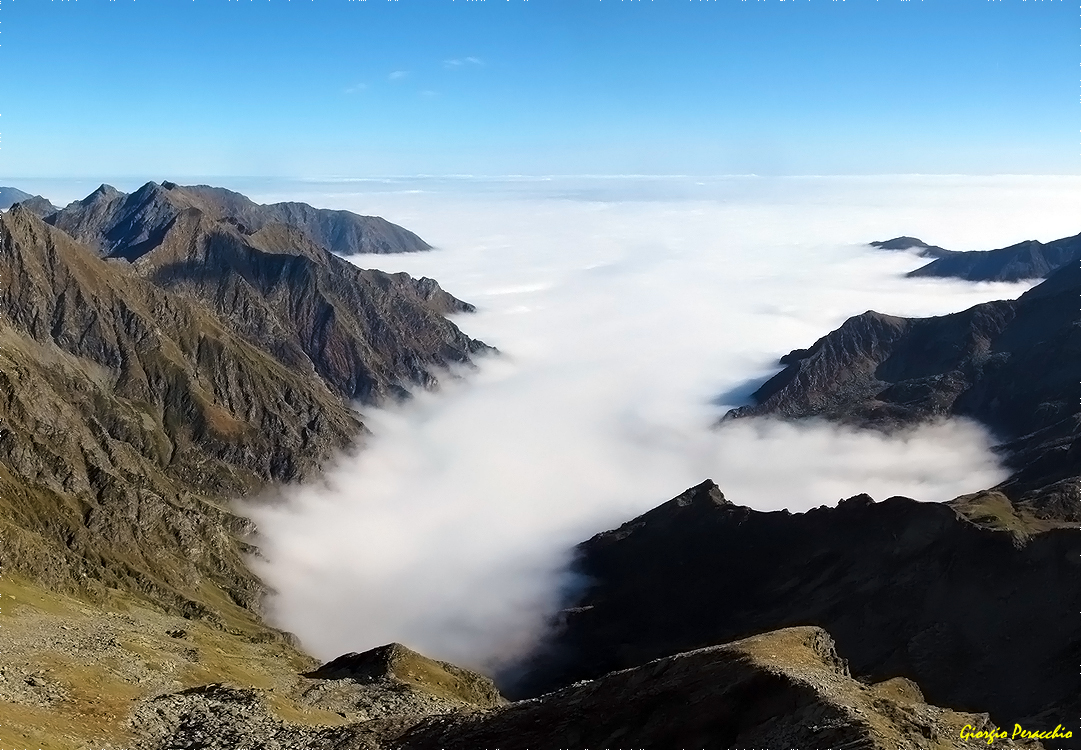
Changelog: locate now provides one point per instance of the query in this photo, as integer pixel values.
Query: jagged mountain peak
(1012, 365)
(104, 191)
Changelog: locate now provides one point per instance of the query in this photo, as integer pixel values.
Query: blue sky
(312, 88)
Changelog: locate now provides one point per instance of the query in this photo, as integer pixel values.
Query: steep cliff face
(124, 225)
(981, 621)
(1013, 365)
(130, 411)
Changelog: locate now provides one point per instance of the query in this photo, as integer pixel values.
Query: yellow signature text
(969, 732)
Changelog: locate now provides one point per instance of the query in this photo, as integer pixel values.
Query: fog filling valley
(630, 314)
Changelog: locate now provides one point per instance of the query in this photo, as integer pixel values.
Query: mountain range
(123, 225)
(167, 351)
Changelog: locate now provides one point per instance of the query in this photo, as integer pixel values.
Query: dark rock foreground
(980, 619)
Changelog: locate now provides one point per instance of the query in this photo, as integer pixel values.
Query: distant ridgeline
(1025, 260)
(165, 351)
(121, 225)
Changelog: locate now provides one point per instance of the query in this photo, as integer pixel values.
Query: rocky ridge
(979, 620)
(1025, 260)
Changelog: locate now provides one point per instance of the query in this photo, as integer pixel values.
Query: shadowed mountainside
(121, 225)
(981, 620)
(1013, 365)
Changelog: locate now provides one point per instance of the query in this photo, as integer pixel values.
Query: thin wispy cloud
(620, 318)
(461, 62)
(398, 75)
(428, 93)
(356, 88)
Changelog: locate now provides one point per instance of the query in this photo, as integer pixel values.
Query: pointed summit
(104, 191)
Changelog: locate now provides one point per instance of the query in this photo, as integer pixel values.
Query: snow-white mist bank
(630, 315)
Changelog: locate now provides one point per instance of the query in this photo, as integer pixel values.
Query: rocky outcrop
(220, 717)
(397, 666)
(121, 225)
(133, 404)
(377, 695)
(980, 619)
(1013, 365)
(1025, 260)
